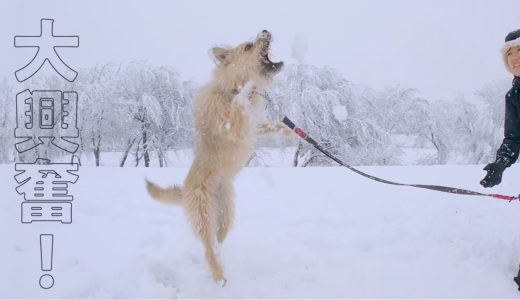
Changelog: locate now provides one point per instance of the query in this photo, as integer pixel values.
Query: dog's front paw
(287, 132)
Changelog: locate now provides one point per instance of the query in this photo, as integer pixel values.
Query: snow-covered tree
(99, 117)
(157, 105)
(142, 110)
(489, 130)
(172, 128)
(324, 104)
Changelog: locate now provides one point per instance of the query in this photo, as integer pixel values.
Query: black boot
(517, 279)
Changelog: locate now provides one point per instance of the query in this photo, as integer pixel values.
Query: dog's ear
(221, 54)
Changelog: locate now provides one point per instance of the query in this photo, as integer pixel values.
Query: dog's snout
(264, 35)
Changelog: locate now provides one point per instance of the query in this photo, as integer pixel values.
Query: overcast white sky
(441, 47)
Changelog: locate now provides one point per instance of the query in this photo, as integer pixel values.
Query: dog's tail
(170, 195)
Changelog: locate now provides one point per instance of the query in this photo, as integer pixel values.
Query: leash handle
(293, 127)
(504, 197)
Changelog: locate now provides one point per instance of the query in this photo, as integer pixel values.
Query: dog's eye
(248, 47)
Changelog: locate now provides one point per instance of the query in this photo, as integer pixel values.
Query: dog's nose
(264, 34)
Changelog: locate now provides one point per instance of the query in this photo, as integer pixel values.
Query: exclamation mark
(46, 249)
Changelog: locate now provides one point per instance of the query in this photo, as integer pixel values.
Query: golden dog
(228, 113)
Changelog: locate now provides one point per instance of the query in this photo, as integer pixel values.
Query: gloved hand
(494, 174)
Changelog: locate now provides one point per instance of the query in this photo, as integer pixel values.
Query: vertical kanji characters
(46, 114)
(44, 186)
(51, 115)
(46, 43)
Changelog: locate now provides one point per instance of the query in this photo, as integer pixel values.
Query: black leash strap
(445, 189)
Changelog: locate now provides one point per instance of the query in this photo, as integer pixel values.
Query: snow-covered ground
(299, 233)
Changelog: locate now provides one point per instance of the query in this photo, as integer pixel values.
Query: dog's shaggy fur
(228, 113)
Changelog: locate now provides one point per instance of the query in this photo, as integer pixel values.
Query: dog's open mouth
(268, 66)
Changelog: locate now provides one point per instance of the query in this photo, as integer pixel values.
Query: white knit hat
(512, 40)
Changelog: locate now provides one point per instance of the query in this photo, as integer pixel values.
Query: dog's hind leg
(226, 210)
(201, 213)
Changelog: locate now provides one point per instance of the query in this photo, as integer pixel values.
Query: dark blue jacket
(507, 154)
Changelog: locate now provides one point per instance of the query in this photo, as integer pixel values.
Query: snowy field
(299, 233)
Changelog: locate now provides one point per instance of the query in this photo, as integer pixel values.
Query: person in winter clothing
(507, 154)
